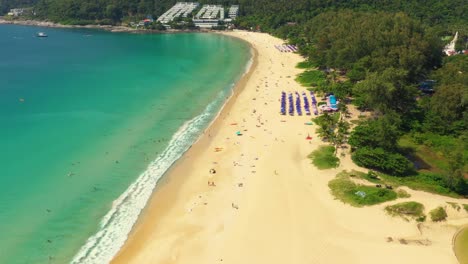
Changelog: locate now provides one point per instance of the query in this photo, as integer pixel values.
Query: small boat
(41, 35)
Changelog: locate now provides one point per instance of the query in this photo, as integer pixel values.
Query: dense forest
(373, 53)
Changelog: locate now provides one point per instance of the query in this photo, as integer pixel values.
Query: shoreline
(268, 203)
(200, 143)
(90, 251)
(109, 28)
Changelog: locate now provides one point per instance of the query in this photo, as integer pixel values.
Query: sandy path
(270, 205)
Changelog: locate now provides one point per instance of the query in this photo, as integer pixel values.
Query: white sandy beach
(270, 204)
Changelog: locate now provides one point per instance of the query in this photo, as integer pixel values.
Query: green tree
(454, 176)
(382, 133)
(386, 91)
(380, 159)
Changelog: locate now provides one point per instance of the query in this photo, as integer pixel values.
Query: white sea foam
(118, 222)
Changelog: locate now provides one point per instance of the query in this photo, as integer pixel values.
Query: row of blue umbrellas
(297, 103)
(314, 103)
(306, 103)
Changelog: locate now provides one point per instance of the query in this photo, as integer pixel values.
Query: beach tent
(333, 102)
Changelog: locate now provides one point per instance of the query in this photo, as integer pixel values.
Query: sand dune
(269, 203)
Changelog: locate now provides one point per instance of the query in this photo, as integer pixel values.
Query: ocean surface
(89, 121)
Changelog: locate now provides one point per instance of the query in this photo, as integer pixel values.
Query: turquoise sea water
(89, 121)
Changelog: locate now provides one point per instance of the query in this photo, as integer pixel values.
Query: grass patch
(438, 214)
(306, 65)
(403, 194)
(357, 195)
(454, 206)
(427, 150)
(461, 244)
(407, 211)
(428, 182)
(465, 206)
(324, 158)
(311, 78)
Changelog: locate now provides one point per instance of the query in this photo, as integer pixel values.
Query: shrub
(438, 214)
(403, 194)
(379, 159)
(407, 210)
(306, 64)
(324, 158)
(465, 206)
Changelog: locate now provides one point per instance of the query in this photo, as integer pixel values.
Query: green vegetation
(440, 155)
(438, 214)
(306, 65)
(378, 158)
(311, 78)
(344, 189)
(407, 210)
(403, 194)
(333, 128)
(429, 182)
(461, 244)
(324, 158)
(465, 206)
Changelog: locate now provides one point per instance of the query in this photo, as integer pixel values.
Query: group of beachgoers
(297, 109)
(286, 48)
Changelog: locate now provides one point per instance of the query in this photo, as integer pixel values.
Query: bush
(438, 214)
(403, 194)
(341, 89)
(407, 210)
(357, 195)
(324, 158)
(465, 206)
(306, 64)
(379, 159)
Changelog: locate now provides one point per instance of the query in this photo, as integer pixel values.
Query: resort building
(233, 12)
(16, 12)
(209, 16)
(180, 9)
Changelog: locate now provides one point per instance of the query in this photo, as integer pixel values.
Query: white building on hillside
(209, 16)
(16, 12)
(180, 9)
(233, 11)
